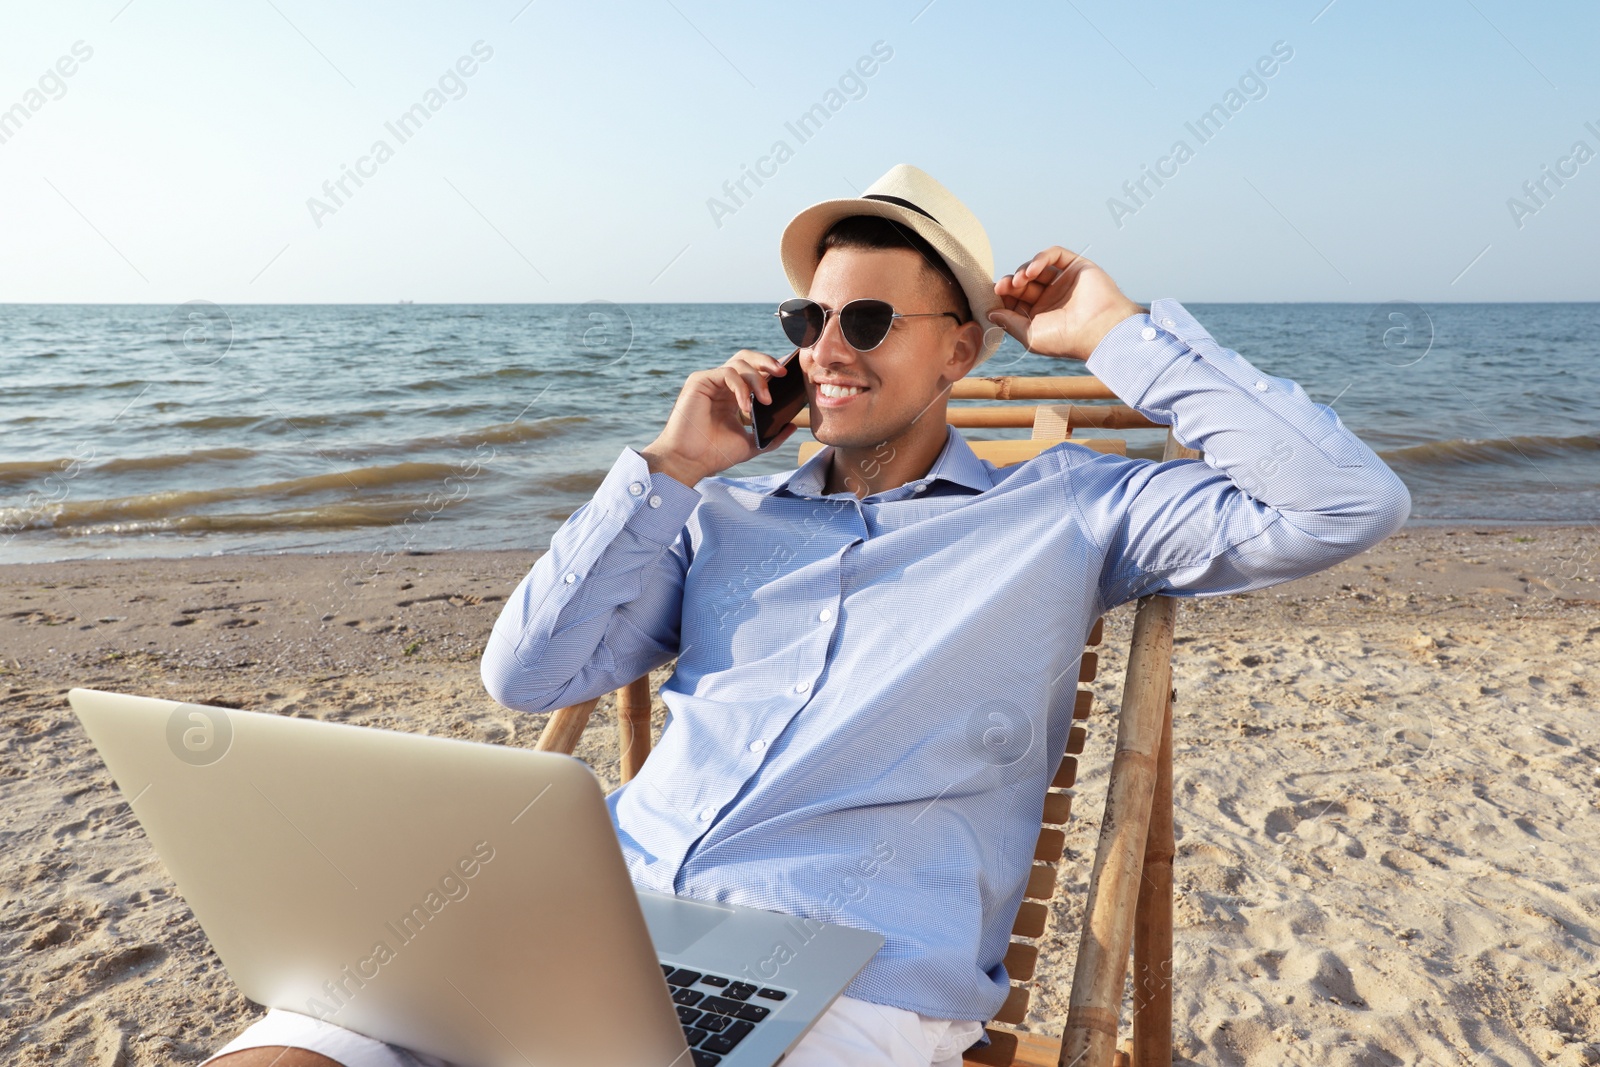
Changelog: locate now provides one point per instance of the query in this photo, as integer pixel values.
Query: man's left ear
(969, 342)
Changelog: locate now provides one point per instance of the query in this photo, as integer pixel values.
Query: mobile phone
(788, 397)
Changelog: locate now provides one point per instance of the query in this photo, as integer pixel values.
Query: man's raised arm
(1284, 490)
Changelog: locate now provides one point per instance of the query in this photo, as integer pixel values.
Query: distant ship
(405, 301)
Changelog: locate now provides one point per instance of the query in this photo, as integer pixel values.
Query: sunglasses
(864, 323)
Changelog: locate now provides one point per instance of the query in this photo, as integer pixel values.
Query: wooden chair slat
(1001, 1052)
(1021, 961)
(1083, 705)
(1089, 667)
(1015, 1009)
(1047, 420)
(1081, 387)
(1037, 1050)
(1015, 1048)
(1002, 453)
(1057, 807)
(1075, 739)
(1051, 422)
(1059, 420)
(1031, 918)
(1055, 421)
(1066, 774)
(1050, 844)
(1041, 882)
(1096, 632)
(1104, 417)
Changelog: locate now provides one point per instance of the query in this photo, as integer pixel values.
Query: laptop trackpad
(678, 922)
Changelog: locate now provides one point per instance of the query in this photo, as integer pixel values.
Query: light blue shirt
(872, 695)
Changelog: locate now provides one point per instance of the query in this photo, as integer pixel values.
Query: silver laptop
(465, 900)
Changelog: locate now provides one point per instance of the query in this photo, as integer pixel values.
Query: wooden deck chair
(1130, 885)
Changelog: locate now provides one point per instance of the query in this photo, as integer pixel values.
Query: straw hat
(912, 198)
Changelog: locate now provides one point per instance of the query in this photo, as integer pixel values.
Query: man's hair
(874, 231)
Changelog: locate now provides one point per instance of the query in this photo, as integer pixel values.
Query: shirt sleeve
(1283, 489)
(605, 604)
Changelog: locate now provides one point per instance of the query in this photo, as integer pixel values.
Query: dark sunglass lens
(802, 322)
(866, 323)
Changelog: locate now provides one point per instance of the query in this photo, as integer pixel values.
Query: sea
(198, 429)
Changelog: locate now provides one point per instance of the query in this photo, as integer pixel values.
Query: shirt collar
(957, 464)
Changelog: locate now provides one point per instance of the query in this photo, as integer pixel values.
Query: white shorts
(852, 1033)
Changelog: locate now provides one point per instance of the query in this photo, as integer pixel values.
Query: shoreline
(1386, 778)
(1412, 524)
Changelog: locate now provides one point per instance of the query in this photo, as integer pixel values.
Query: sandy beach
(1387, 778)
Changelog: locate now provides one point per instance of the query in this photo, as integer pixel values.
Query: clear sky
(579, 159)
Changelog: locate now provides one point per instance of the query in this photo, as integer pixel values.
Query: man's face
(906, 375)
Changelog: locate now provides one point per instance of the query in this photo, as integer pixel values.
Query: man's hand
(1060, 304)
(706, 432)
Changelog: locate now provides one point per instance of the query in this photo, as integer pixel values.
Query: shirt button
(636, 488)
(801, 687)
(655, 501)
(571, 577)
(1168, 323)
(1261, 386)
(919, 487)
(825, 614)
(708, 814)
(757, 745)
(1148, 333)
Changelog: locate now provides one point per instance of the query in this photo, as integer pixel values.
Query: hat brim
(798, 249)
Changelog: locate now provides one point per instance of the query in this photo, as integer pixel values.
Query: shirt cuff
(654, 506)
(1137, 350)
(1131, 355)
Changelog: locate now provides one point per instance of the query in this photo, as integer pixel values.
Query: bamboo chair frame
(1129, 901)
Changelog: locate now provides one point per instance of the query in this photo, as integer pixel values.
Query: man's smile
(831, 395)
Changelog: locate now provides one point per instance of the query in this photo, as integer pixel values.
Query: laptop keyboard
(717, 1012)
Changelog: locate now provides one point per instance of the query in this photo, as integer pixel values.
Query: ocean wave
(274, 422)
(583, 483)
(182, 504)
(461, 412)
(22, 471)
(19, 473)
(426, 385)
(1472, 452)
(505, 372)
(218, 422)
(344, 516)
(169, 460)
(500, 433)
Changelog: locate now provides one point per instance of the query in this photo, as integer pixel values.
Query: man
(877, 652)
